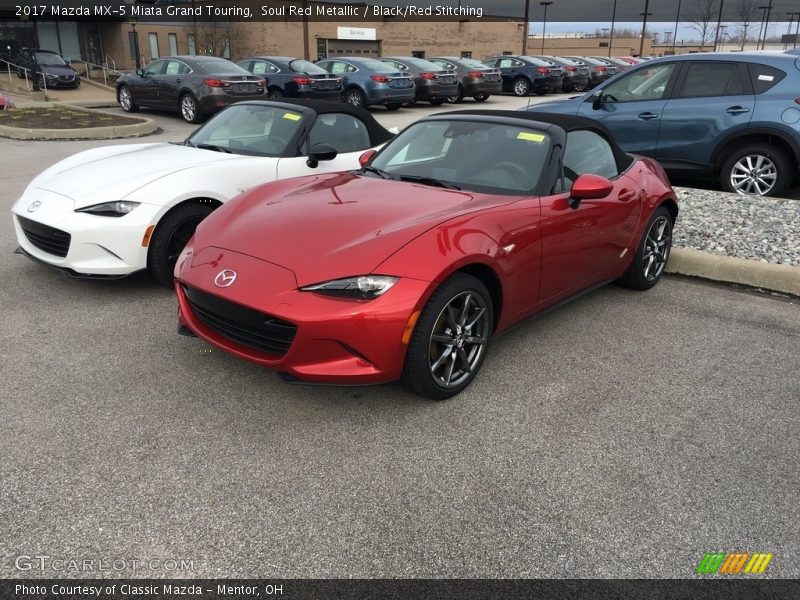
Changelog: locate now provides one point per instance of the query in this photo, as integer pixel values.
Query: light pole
(719, 23)
(525, 27)
(613, 19)
(667, 38)
(677, 18)
(722, 37)
(645, 14)
(544, 23)
(767, 10)
(797, 27)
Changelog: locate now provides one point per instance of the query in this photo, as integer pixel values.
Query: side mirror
(364, 159)
(597, 100)
(589, 187)
(140, 72)
(320, 152)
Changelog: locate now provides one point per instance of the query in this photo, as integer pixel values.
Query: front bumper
(98, 246)
(336, 341)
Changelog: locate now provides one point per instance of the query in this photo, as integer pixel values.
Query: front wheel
(450, 340)
(758, 169)
(355, 97)
(190, 111)
(170, 238)
(126, 100)
(653, 253)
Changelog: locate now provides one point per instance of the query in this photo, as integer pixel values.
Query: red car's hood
(331, 226)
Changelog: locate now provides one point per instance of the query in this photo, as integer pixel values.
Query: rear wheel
(355, 97)
(437, 102)
(653, 253)
(458, 97)
(579, 87)
(393, 106)
(450, 340)
(126, 100)
(758, 169)
(190, 110)
(481, 97)
(521, 87)
(170, 238)
(275, 93)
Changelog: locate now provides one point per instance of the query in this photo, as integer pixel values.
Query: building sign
(356, 33)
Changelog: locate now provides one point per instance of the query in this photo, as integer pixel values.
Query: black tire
(481, 97)
(355, 97)
(756, 167)
(459, 97)
(437, 102)
(426, 357)
(275, 93)
(579, 87)
(170, 237)
(394, 106)
(644, 273)
(521, 86)
(125, 99)
(20, 73)
(190, 109)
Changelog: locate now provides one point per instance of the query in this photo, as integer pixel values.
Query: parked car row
(728, 118)
(393, 258)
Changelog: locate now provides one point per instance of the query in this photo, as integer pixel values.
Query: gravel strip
(763, 229)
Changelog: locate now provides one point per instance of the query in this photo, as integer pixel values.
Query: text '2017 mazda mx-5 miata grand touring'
(460, 227)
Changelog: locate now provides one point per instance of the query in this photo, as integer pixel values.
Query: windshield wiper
(214, 148)
(429, 181)
(378, 172)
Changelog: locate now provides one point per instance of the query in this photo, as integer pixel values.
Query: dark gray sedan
(196, 86)
(433, 84)
(475, 79)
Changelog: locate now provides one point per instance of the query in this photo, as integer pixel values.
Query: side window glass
(338, 68)
(259, 67)
(705, 79)
(246, 65)
(643, 84)
(505, 63)
(588, 152)
(764, 77)
(349, 69)
(156, 68)
(173, 68)
(272, 68)
(344, 132)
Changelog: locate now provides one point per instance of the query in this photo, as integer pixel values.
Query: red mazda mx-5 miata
(460, 227)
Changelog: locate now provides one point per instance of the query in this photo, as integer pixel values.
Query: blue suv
(732, 118)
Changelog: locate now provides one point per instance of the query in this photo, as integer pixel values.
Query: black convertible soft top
(377, 133)
(566, 122)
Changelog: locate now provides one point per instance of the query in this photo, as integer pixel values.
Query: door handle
(646, 116)
(737, 110)
(626, 195)
(178, 80)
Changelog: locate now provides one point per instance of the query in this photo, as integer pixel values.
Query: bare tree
(214, 37)
(746, 12)
(702, 18)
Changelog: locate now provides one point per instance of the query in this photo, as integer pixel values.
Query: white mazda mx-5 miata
(115, 210)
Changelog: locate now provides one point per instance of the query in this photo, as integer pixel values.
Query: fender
(784, 133)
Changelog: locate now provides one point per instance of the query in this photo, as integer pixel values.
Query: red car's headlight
(364, 287)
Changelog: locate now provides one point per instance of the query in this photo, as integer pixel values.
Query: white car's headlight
(364, 287)
(117, 208)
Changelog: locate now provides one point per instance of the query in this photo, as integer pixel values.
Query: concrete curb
(144, 127)
(768, 276)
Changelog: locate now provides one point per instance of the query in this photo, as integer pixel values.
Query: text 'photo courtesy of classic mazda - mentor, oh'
(114, 210)
(463, 225)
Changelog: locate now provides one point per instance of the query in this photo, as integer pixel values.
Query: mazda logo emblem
(225, 278)
(34, 205)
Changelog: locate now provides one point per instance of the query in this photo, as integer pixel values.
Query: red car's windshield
(484, 157)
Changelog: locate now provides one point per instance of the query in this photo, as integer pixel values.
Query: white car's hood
(115, 172)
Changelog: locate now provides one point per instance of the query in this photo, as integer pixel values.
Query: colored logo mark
(733, 563)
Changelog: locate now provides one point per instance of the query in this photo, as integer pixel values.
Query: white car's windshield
(468, 155)
(249, 129)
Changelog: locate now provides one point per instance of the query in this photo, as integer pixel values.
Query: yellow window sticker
(292, 116)
(530, 137)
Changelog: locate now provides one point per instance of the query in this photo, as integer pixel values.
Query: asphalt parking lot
(623, 435)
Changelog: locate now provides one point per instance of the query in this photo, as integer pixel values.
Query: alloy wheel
(458, 339)
(657, 244)
(521, 87)
(188, 108)
(753, 174)
(354, 98)
(125, 99)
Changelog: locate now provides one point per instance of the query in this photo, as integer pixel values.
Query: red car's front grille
(240, 324)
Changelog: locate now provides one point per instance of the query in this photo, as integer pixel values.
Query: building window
(154, 46)
(466, 54)
(418, 53)
(604, 44)
(192, 45)
(173, 44)
(132, 42)
(226, 48)
(209, 44)
(322, 49)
